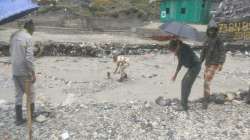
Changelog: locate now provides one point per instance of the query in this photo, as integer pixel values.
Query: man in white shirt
(122, 64)
(22, 60)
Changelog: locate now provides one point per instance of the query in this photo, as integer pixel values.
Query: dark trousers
(19, 82)
(187, 83)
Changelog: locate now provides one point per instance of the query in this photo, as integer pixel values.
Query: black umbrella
(181, 30)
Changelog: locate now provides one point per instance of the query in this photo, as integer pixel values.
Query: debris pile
(218, 98)
(84, 49)
(95, 49)
(233, 9)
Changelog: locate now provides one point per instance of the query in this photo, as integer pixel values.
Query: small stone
(75, 61)
(69, 100)
(155, 75)
(155, 124)
(41, 119)
(2, 102)
(220, 99)
(1, 124)
(147, 105)
(230, 96)
(157, 66)
(65, 136)
(237, 102)
(243, 94)
(248, 97)
(212, 98)
(108, 75)
(163, 101)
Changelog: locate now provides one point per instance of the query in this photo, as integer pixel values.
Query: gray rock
(220, 99)
(248, 97)
(163, 101)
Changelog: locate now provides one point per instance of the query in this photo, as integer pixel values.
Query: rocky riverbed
(84, 104)
(134, 120)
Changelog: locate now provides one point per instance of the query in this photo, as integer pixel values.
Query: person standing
(22, 60)
(186, 57)
(214, 55)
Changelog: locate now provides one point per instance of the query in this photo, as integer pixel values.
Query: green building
(188, 11)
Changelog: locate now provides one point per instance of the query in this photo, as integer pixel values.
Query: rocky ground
(77, 100)
(134, 120)
(84, 104)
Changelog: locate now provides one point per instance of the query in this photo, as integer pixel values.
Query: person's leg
(19, 90)
(187, 84)
(18, 100)
(184, 91)
(193, 72)
(208, 77)
(124, 70)
(123, 73)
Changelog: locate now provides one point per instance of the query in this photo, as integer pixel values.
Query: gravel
(134, 120)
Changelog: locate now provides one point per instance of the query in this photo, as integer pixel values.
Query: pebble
(163, 101)
(41, 119)
(230, 96)
(120, 121)
(220, 99)
(65, 136)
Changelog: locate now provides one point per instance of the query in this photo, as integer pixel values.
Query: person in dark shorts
(187, 58)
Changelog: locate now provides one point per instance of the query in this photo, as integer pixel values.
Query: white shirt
(21, 51)
(122, 59)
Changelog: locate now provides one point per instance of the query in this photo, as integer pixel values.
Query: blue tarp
(12, 9)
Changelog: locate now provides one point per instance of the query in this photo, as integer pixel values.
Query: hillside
(96, 15)
(147, 9)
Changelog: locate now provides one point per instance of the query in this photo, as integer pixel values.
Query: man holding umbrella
(22, 61)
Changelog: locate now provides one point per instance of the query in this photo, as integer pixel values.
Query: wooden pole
(28, 99)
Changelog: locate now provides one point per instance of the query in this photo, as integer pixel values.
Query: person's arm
(10, 50)
(177, 70)
(29, 59)
(126, 62)
(117, 67)
(203, 52)
(222, 52)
